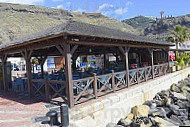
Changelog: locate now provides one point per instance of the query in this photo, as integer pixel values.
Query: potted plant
(186, 60)
(173, 68)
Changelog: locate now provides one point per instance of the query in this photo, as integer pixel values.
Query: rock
(167, 110)
(152, 110)
(175, 109)
(175, 118)
(182, 105)
(163, 122)
(141, 110)
(159, 103)
(113, 125)
(141, 122)
(164, 93)
(124, 122)
(184, 88)
(154, 123)
(175, 88)
(130, 116)
(179, 96)
(160, 113)
(173, 122)
(187, 122)
(148, 103)
(183, 117)
(157, 97)
(153, 105)
(168, 101)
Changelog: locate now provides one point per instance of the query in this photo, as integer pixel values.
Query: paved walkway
(18, 112)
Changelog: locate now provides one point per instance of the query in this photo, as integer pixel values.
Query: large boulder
(175, 88)
(141, 110)
(124, 122)
(160, 113)
(175, 118)
(163, 122)
(179, 96)
(113, 125)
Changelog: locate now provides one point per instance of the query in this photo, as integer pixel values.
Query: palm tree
(180, 34)
(162, 13)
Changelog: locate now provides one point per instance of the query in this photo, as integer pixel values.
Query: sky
(119, 9)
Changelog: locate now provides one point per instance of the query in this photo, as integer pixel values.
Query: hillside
(158, 28)
(139, 22)
(21, 20)
(163, 26)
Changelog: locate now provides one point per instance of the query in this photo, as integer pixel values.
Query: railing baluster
(145, 72)
(137, 73)
(95, 86)
(46, 83)
(113, 80)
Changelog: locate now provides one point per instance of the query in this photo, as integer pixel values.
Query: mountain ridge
(17, 21)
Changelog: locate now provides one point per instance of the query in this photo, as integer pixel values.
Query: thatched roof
(84, 29)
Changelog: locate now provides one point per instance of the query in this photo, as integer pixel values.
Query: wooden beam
(112, 44)
(74, 49)
(60, 49)
(122, 50)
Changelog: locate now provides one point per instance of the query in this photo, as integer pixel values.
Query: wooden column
(68, 74)
(42, 60)
(27, 56)
(127, 64)
(168, 58)
(125, 52)
(4, 71)
(105, 61)
(66, 51)
(152, 61)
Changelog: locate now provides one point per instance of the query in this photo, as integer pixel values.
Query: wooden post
(4, 71)
(168, 57)
(68, 74)
(42, 60)
(47, 85)
(95, 86)
(105, 61)
(152, 62)
(127, 65)
(113, 80)
(27, 56)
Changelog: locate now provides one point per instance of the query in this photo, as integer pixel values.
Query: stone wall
(110, 108)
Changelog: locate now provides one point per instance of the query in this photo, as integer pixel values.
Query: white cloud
(111, 10)
(121, 11)
(22, 1)
(105, 6)
(59, 7)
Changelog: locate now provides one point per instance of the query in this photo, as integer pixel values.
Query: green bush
(182, 59)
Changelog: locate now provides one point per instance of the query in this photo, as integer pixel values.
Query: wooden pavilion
(72, 39)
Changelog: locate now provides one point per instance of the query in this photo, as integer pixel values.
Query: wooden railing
(49, 89)
(96, 86)
(160, 69)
